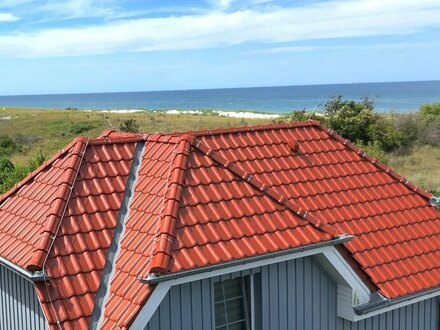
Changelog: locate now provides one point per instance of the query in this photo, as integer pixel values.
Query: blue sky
(67, 46)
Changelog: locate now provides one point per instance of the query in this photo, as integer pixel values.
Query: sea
(390, 96)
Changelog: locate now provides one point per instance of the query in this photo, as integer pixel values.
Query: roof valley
(114, 248)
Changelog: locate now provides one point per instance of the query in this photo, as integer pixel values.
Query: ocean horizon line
(387, 96)
(228, 88)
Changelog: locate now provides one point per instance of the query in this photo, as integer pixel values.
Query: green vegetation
(8, 146)
(410, 143)
(10, 174)
(431, 109)
(129, 125)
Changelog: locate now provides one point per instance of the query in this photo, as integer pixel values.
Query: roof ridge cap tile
(156, 137)
(59, 204)
(384, 168)
(40, 169)
(269, 191)
(164, 237)
(106, 133)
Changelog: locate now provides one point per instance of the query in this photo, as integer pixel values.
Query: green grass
(50, 130)
(47, 131)
(421, 166)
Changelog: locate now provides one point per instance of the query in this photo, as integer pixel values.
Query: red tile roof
(207, 197)
(74, 197)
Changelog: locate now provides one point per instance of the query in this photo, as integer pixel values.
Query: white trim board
(152, 304)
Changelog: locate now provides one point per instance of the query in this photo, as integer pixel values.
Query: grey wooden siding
(296, 294)
(19, 305)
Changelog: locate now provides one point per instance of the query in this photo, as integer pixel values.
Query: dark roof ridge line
(162, 253)
(269, 191)
(217, 131)
(347, 143)
(157, 137)
(40, 169)
(59, 204)
(252, 128)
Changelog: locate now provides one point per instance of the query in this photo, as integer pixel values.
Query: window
(231, 298)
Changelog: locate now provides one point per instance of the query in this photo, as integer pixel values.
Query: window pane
(235, 310)
(218, 291)
(220, 316)
(232, 288)
(229, 299)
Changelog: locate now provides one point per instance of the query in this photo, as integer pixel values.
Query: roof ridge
(40, 169)
(147, 137)
(269, 191)
(58, 207)
(252, 128)
(164, 237)
(387, 169)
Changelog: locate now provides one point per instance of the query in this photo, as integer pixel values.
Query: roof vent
(293, 145)
(434, 201)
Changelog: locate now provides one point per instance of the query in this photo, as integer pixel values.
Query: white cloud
(334, 19)
(296, 49)
(8, 17)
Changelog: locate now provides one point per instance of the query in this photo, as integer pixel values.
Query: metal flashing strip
(113, 250)
(380, 304)
(37, 276)
(153, 278)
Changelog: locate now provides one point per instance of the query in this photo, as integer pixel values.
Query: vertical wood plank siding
(19, 305)
(296, 294)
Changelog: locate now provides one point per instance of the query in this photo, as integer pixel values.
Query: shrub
(409, 126)
(350, 119)
(357, 121)
(430, 109)
(429, 131)
(6, 165)
(81, 127)
(129, 125)
(8, 146)
(11, 177)
(375, 150)
(35, 161)
(298, 115)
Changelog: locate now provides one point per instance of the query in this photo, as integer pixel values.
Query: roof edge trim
(157, 278)
(264, 188)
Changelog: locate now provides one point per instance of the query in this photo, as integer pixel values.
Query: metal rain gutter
(37, 276)
(157, 278)
(383, 302)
